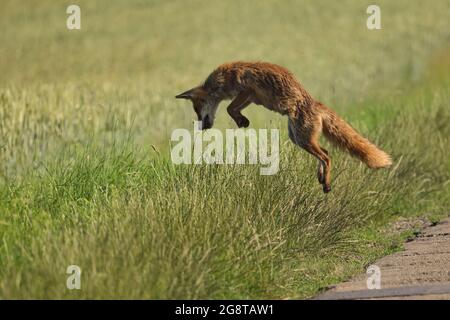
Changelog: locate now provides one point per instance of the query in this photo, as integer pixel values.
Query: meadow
(85, 171)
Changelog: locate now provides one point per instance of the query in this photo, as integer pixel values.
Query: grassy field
(85, 123)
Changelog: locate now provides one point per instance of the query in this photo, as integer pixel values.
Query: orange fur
(342, 134)
(276, 88)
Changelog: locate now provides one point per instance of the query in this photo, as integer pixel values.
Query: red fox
(276, 88)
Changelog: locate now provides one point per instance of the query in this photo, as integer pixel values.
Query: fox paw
(326, 188)
(243, 123)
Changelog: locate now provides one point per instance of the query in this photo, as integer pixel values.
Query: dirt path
(421, 271)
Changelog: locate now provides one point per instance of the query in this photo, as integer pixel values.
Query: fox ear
(191, 93)
(187, 94)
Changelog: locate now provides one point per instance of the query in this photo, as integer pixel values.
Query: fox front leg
(239, 103)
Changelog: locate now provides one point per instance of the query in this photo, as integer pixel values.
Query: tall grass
(141, 227)
(85, 173)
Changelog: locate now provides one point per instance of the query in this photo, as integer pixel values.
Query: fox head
(205, 105)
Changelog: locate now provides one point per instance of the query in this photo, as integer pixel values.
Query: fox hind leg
(325, 164)
(320, 172)
(307, 138)
(321, 169)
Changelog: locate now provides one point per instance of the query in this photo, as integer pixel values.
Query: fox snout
(207, 123)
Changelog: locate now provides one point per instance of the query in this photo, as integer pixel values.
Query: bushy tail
(342, 134)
